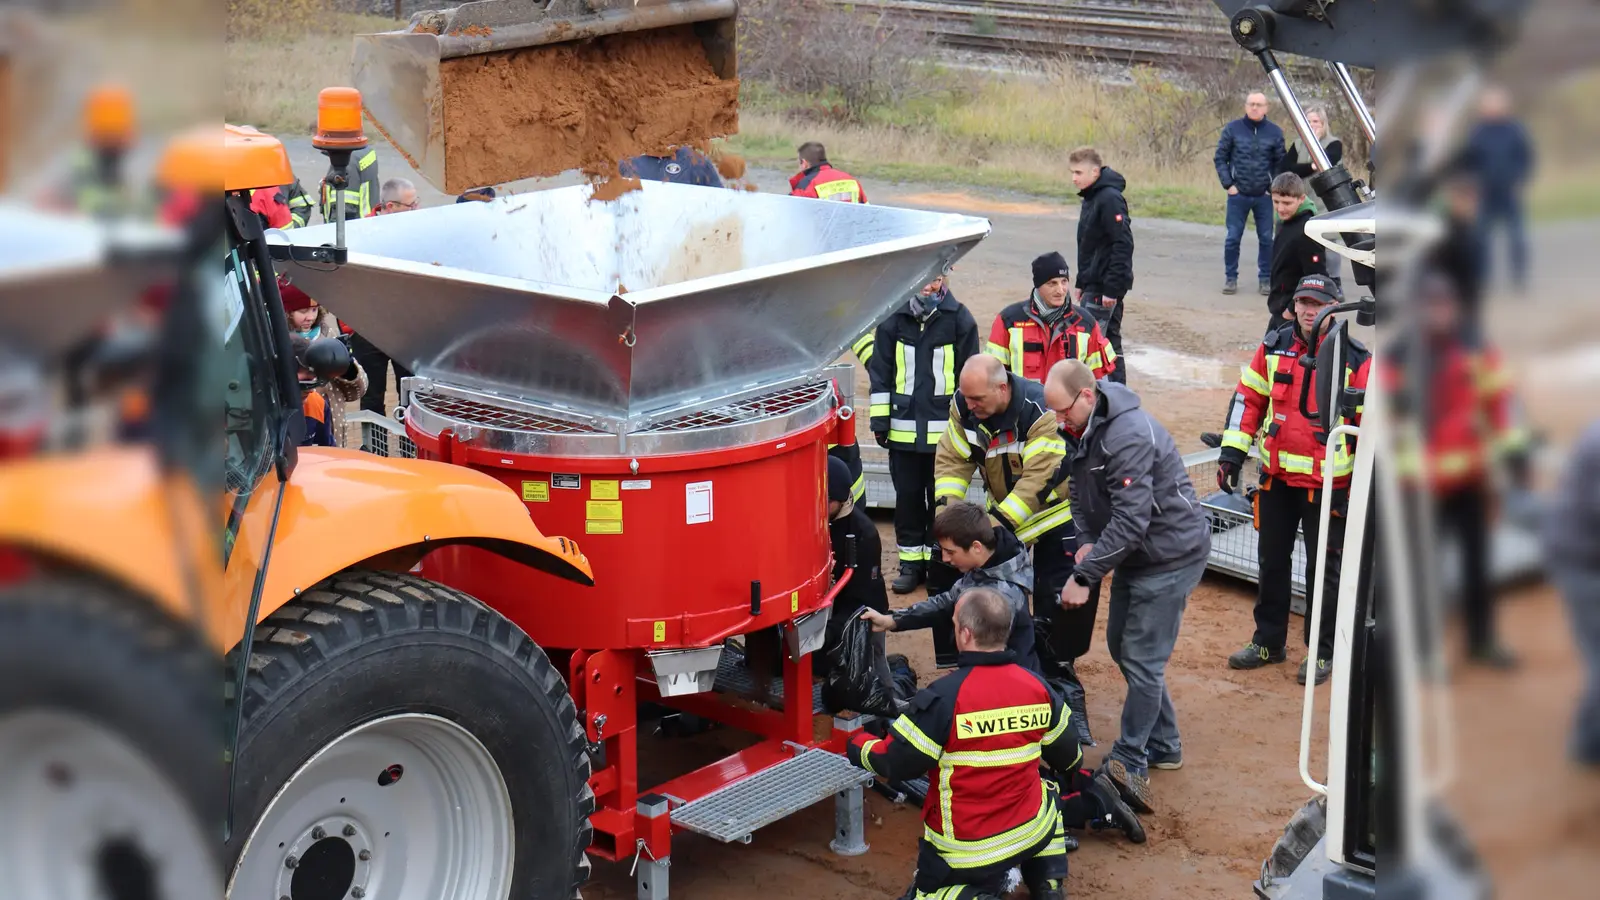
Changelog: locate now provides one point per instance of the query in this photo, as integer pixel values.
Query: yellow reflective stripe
(908, 729)
(1295, 463)
(950, 487)
(878, 410)
(1055, 733)
(988, 759)
(1016, 509)
(1018, 354)
(1109, 351)
(367, 160)
(958, 441)
(1045, 520)
(905, 368)
(999, 352)
(1253, 380)
(897, 436)
(365, 199)
(972, 854)
(859, 489)
(842, 187)
(866, 760)
(1095, 361)
(946, 806)
(1237, 440)
(914, 554)
(1046, 444)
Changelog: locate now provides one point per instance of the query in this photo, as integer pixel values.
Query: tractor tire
(402, 740)
(111, 777)
(1300, 835)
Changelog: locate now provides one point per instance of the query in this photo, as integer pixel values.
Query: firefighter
(818, 179)
(980, 733)
(923, 345)
(358, 196)
(856, 547)
(285, 206)
(1034, 334)
(1468, 424)
(1290, 496)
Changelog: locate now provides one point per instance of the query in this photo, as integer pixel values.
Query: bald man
(1249, 152)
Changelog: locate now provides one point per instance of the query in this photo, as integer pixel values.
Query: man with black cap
(918, 350)
(1034, 334)
(1293, 448)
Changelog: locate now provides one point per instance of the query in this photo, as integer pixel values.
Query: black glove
(1519, 468)
(882, 437)
(1229, 464)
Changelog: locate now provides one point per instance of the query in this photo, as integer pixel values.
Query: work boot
(1254, 656)
(1324, 669)
(1049, 890)
(910, 576)
(1231, 286)
(1117, 814)
(1133, 787)
(1265, 287)
(1170, 760)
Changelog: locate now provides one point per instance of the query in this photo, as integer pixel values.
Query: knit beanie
(294, 299)
(1051, 265)
(838, 480)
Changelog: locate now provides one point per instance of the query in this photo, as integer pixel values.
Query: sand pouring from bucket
(406, 78)
(666, 299)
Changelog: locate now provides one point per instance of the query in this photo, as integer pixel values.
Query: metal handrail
(1314, 613)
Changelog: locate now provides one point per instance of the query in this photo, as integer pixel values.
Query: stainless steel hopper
(668, 298)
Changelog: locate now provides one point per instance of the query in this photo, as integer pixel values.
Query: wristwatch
(1078, 577)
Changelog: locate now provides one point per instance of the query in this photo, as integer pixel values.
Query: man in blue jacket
(1248, 153)
(684, 165)
(1499, 150)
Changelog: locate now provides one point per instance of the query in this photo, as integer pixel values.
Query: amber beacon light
(339, 120)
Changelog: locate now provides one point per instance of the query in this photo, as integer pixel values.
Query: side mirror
(328, 358)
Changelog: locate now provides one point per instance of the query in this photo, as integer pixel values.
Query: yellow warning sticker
(593, 527)
(794, 602)
(660, 632)
(536, 492)
(604, 510)
(604, 490)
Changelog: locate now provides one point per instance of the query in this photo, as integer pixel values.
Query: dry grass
(274, 76)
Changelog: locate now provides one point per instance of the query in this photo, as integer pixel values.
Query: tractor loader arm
(345, 508)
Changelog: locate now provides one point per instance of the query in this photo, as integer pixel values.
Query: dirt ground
(1219, 816)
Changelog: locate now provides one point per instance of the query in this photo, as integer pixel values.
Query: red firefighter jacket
(1267, 402)
(1029, 347)
(979, 734)
(1469, 415)
(824, 182)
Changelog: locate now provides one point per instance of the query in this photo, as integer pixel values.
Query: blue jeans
(1582, 592)
(1241, 207)
(1504, 209)
(1141, 630)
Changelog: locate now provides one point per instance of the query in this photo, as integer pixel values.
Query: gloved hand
(1229, 465)
(882, 437)
(1519, 469)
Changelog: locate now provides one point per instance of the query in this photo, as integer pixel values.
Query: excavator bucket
(500, 90)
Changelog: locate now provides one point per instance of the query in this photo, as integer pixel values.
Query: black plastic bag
(855, 676)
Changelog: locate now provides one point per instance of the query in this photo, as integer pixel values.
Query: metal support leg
(849, 823)
(653, 878)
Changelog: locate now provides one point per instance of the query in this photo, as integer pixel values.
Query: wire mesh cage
(382, 436)
(1233, 532)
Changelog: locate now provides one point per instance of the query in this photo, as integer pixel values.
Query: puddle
(969, 204)
(1181, 368)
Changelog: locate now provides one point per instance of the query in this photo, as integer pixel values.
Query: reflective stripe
(1295, 463)
(1237, 440)
(880, 397)
(944, 371)
(1095, 361)
(914, 554)
(904, 424)
(866, 760)
(367, 160)
(1046, 520)
(973, 854)
(843, 189)
(1016, 509)
(863, 347)
(950, 486)
(1253, 380)
(905, 374)
(1015, 447)
(958, 442)
(989, 759)
(937, 428)
(859, 489)
(1001, 353)
(1049, 444)
(1055, 733)
(1019, 358)
(908, 729)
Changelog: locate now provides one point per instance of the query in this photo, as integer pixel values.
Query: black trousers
(1060, 635)
(1465, 511)
(1280, 510)
(1110, 320)
(912, 474)
(376, 364)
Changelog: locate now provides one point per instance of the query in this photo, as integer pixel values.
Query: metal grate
(733, 812)
(382, 436)
(734, 677)
(500, 417)
(765, 406)
(1233, 533)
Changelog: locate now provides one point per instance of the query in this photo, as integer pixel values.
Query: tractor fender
(344, 508)
(111, 513)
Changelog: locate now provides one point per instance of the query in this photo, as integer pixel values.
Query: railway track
(1156, 32)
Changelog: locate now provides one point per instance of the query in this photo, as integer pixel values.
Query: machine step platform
(734, 677)
(734, 812)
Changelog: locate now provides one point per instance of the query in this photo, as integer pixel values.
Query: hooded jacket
(1131, 494)
(1010, 573)
(1105, 238)
(1294, 256)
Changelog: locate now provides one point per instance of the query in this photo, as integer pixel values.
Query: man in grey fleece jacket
(1572, 549)
(1137, 515)
(986, 556)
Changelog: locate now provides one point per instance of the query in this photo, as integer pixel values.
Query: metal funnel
(405, 76)
(667, 298)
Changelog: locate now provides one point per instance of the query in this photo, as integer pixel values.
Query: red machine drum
(711, 524)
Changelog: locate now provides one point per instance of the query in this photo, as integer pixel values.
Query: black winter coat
(938, 349)
(1305, 168)
(1105, 238)
(1248, 154)
(1293, 257)
(866, 585)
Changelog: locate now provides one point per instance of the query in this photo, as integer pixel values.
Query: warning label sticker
(603, 490)
(604, 510)
(566, 482)
(594, 527)
(536, 492)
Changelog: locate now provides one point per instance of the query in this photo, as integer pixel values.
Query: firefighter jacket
(1009, 573)
(824, 182)
(863, 347)
(1268, 401)
(1468, 416)
(299, 203)
(1029, 347)
(361, 196)
(913, 371)
(851, 455)
(979, 733)
(1018, 450)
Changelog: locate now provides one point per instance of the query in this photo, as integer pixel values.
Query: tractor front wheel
(402, 740)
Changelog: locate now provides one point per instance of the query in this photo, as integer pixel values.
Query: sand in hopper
(583, 105)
